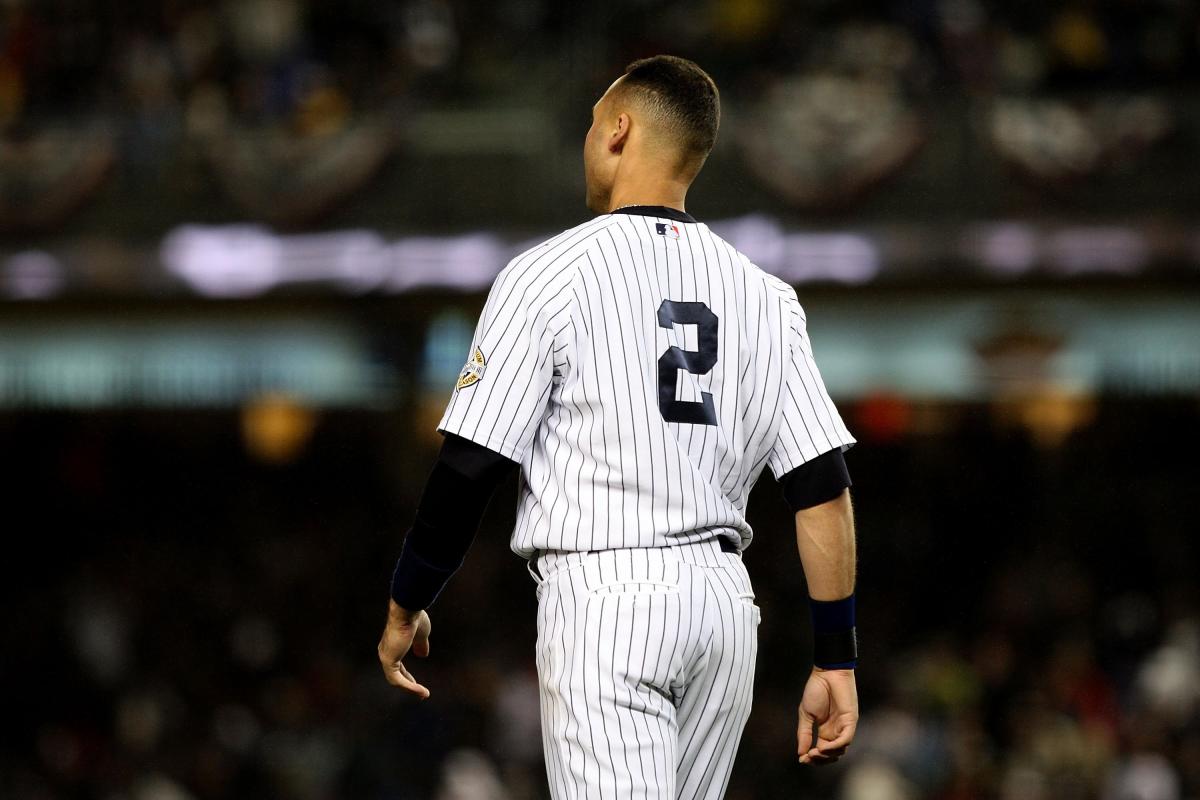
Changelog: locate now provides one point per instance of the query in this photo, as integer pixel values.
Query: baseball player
(640, 373)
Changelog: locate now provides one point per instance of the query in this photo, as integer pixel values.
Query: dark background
(210, 447)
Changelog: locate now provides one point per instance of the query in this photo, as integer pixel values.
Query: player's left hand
(828, 716)
(405, 630)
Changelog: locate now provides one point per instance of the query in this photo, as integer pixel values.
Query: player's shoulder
(560, 250)
(788, 299)
(773, 286)
(779, 287)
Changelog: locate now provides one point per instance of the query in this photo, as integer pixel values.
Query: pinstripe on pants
(646, 665)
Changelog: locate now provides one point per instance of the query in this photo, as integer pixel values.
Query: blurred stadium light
(188, 363)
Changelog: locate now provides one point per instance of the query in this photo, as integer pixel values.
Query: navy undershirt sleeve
(475, 461)
(817, 481)
(458, 490)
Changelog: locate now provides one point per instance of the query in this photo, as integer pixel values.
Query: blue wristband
(835, 638)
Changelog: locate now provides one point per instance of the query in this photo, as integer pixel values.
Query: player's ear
(619, 134)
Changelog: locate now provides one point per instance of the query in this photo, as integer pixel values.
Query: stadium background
(242, 246)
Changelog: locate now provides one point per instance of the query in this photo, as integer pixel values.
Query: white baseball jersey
(642, 371)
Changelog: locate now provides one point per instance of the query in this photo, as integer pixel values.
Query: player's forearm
(451, 506)
(825, 538)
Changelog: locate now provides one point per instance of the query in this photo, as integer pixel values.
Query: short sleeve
(501, 394)
(810, 424)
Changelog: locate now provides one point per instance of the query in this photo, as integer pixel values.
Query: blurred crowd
(172, 63)
(194, 616)
(292, 105)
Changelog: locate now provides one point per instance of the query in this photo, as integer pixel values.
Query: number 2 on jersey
(698, 362)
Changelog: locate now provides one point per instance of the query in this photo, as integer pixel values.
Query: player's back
(675, 374)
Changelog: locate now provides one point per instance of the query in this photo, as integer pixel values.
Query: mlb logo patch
(668, 229)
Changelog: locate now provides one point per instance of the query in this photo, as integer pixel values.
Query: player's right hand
(405, 630)
(830, 704)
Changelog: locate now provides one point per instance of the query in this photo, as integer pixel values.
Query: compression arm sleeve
(456, 494)
(817, 481)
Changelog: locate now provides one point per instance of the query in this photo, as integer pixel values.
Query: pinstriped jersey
(642, 372)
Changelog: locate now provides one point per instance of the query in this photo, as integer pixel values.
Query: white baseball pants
(646, 666)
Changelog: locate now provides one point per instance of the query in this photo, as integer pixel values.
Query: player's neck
(649, 192)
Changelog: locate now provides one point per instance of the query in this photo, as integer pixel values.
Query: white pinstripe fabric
(571, 387)
(646, 663)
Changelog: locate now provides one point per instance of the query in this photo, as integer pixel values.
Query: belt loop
(534, 572)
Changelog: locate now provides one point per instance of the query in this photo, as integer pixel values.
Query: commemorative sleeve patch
(472, 371)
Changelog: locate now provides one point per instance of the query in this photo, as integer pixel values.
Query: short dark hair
(683, 95)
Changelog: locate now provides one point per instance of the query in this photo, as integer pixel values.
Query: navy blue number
(697, 362)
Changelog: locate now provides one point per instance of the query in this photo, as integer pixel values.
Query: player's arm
(818, 492)
(452, 504)
(489, 424)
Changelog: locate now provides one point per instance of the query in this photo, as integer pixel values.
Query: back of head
(681, 100)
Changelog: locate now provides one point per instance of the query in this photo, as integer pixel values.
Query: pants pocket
(747, 599)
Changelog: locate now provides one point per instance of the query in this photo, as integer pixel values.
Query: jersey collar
(656, 211)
